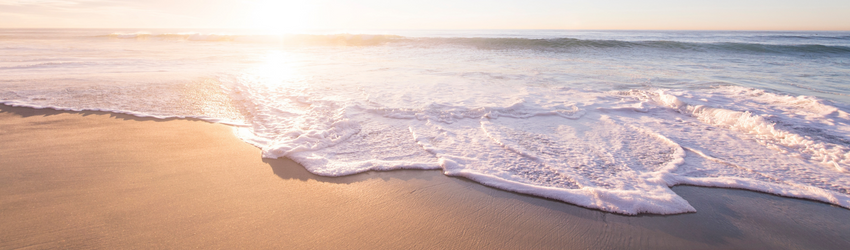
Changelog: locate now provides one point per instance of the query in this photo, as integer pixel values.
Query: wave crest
(489, 43)
(292, 40)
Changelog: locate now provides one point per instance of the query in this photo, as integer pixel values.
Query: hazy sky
(429, 14)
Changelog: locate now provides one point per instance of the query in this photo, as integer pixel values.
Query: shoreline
(94, 179)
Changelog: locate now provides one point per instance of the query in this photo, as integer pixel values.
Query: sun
(280, 16)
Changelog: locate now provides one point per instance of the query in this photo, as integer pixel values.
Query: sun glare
(280, 16)
(276, 69)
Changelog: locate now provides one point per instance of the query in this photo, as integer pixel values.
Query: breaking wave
(499, 43)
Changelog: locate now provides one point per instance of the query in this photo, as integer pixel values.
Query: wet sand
(103, 180)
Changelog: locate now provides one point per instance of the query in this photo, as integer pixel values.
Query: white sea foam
(609, 150)
(814, 136)
(568, 119)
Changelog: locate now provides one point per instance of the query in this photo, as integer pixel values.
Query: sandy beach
(103, 180)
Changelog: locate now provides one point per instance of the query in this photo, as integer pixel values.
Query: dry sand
(102, 180)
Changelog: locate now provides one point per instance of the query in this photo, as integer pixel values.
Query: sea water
(608, 120)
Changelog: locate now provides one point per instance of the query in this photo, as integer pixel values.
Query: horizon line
(461, 29)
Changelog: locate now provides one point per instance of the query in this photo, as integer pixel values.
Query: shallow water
(602, 119)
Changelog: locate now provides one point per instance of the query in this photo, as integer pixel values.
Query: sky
(287, 15)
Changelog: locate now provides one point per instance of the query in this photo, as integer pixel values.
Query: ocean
(608, 120)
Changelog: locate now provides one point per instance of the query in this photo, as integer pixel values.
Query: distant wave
(572, 43)
(300, 39)
(47, 65)
(815, 37)
(498, 43)
(172, 36)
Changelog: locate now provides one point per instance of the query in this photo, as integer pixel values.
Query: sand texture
(101, 180)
